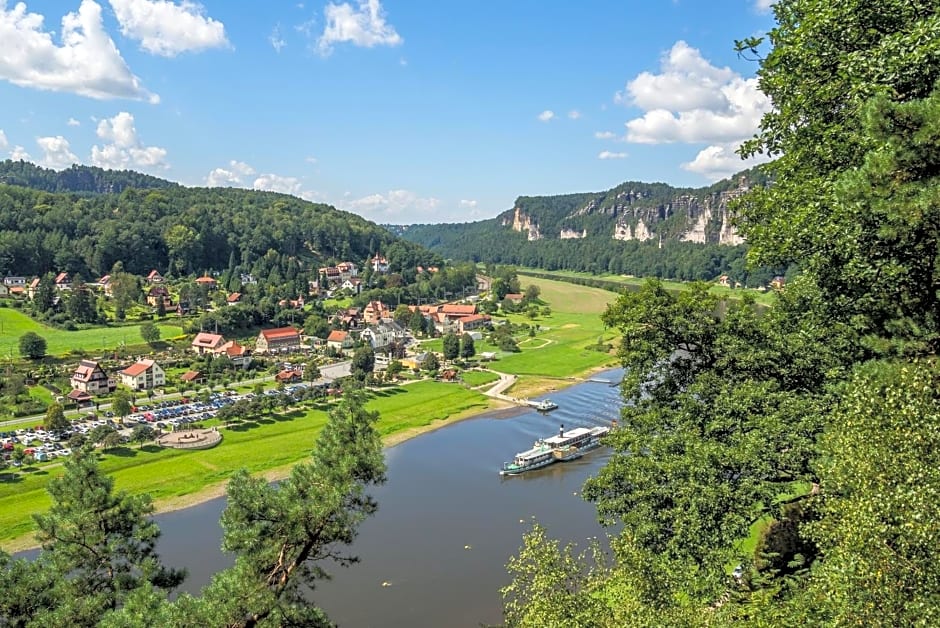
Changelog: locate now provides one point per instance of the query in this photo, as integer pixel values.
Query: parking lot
(163, 416)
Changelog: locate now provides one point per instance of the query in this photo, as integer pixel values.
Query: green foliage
(150, 332)
(467, 348)
(32, 345)
(363, 362)
(97, 546)
(55, 418)
(451, 347)
(121, 403)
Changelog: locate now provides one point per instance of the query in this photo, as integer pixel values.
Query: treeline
(183, 231)
(683, 261)
(79, 179)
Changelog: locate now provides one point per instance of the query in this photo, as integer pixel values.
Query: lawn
(14, 324)
(478, 378)
(269, 443)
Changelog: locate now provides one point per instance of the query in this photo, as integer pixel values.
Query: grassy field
(478, 378)
(271, 442)
(14, 324)
(766, 298)
(560, 348)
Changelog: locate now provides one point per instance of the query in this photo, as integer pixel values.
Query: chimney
(561, 430)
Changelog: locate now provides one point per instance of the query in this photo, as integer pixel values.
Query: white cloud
(574, 114)
(394, 205)
(546, 115)
(73, 122)
(277, 42)
(606, 154)
(19, 154)
(310, 159)
(3, 140)
(165, 28)
(605, 135)
(692, 101)
(125, 149)
(719, 161)
(365, 27)
(86, 63)
(56, 152)
(231, 176)
(467, 204)
(763, 6)
(238, 174)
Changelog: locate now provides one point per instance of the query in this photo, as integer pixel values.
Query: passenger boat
(565, 446)
(539, 456)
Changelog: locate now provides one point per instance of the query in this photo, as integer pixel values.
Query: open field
(766, 298)
(14, 324)
(478, 378)
(271, 442)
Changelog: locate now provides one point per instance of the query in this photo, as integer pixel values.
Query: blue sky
(401, 111)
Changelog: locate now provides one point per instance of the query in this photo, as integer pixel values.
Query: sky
(402, 111)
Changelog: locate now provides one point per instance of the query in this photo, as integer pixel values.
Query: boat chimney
(561, 430)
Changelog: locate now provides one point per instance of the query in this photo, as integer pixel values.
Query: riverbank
(533, 386)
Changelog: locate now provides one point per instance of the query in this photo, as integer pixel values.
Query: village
(173, 383)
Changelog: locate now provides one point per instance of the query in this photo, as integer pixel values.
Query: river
(447, 522)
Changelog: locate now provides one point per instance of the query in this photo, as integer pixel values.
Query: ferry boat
(563, 447)
(544, 405)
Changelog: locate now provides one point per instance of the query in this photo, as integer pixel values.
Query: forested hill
(78, 179)
(635, 228)
(180, 230)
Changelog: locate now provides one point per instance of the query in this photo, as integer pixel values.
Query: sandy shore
(525, 387)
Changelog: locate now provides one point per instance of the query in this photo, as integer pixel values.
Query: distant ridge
(77, 179)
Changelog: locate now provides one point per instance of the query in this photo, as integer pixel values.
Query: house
(17, 291)
(207, 282)
(515, 297)
(143, 375)
(313, 288)
(104, 284)
(375, 311)
(778, 282)
(382, 335)
(154, 277)
(350, 318)
(379, 263)
(287, 377)
(89, 377)
(339, 340)
(205, 342)
(280, 340)
(353, 285)
(238, 354)
(192, 377)
(483, 283)
(156, 294)
(62, 281)
(331, 273)
(450, 375)
(4, 290)
(12, 281)
(33, 286)
(415, 361)
(725, 281)
(79, 397)
(347, 270)
(455, 311)
(469, 323)
(294, 304)
(247, 279)
(234, 299)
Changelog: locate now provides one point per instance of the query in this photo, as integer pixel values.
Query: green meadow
(266, 443)
(14, 324)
